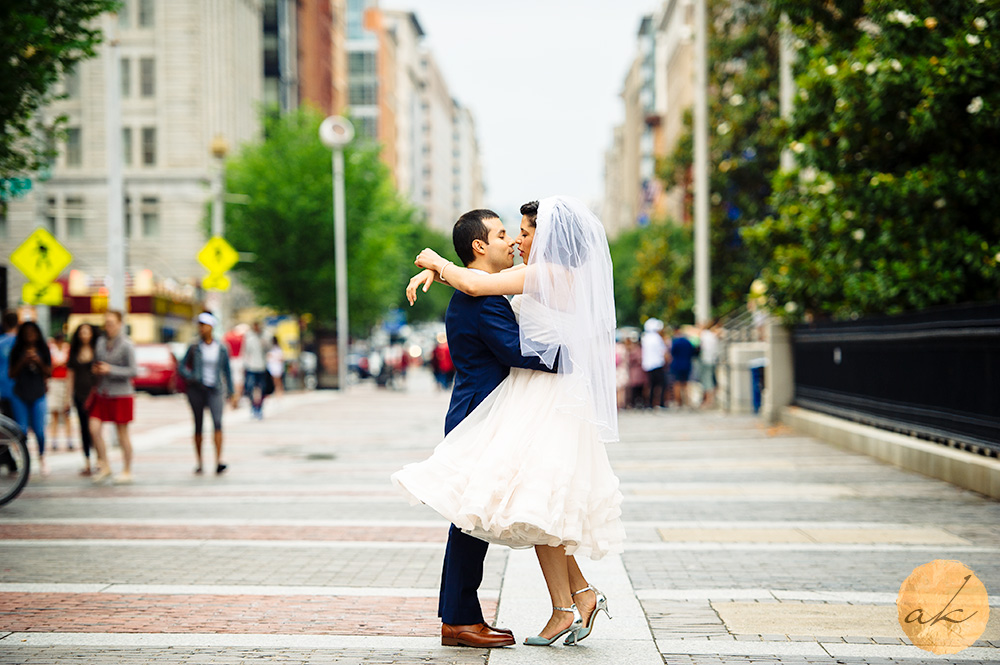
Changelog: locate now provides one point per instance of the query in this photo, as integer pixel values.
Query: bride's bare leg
(555, 569)
(586, 601)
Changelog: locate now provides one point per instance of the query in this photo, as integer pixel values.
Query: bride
(528, 467)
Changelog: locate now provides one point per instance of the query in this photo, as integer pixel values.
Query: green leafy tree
(287, 222)
(893, 204)
(745, 139)
(40, 40)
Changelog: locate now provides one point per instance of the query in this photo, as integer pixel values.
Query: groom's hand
(424, 277)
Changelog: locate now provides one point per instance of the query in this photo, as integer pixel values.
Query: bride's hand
(424, 277)
(428, 258)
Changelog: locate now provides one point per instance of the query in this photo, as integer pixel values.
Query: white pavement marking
(200, 640)
(525, 607)
(231, 590)
(850, 597)
(801, 547)
(261, 544)
(215, 521)
(395, 545)
(837, 650)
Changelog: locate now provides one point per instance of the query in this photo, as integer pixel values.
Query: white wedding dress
(524, 469)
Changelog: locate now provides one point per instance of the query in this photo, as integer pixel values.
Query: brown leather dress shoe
(500, 630)
(477, 635)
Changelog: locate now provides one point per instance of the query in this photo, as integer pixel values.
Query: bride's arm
(507, 282)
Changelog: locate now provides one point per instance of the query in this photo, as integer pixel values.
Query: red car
(157, 368)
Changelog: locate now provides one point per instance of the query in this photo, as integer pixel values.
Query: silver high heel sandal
(539, 641)
(602, 605)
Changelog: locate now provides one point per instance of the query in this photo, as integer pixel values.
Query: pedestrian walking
(7, 339)
(636, 375)
(58, 393)
(255, 383)
(276, 365)
(80, 377)
(681, 357)
(709, 357)
(654, 360)
(441, 363)
(621, 374)
(30, 367)
(113, 398)
(209, 379)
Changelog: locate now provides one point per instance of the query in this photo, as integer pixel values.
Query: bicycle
(15, 463)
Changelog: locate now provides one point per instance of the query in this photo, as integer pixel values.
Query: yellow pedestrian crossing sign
(215, 282)
(217, 255)
(47, 294)
(40, 257)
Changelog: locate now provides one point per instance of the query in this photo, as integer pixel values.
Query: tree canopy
(287, 223)
(40, 41)
(893, 203)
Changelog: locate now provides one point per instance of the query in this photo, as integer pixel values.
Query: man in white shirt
(654, 360)
(255, 365)
(709, 357)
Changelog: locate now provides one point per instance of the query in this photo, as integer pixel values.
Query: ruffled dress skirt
(525, 468)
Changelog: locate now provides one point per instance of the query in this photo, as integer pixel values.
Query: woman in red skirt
(112, 402)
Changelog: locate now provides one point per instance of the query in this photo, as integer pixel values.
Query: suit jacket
(485, 343)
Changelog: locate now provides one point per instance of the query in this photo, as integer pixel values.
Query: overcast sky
(543, 79)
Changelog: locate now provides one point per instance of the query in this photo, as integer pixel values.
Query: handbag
(268, 383)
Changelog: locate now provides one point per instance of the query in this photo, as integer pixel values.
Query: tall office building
(189, 71)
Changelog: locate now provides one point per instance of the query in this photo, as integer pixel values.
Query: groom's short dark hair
(468, 228)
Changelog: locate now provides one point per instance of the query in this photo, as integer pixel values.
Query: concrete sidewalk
(746, 544)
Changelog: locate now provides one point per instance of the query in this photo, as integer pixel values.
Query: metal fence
(934, 374)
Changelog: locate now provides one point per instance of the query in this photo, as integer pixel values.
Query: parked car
(157, 368)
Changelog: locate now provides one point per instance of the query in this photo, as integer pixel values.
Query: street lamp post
(335, 132)
(219, 148)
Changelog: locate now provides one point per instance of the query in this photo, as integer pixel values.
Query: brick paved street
(746, 544)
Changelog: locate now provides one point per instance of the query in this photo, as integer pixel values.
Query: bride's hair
(530, 210)
(468, 228)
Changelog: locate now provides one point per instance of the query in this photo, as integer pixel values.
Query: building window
(74, 217)
(150, 217)
(126, 77)
(127, 146)
(74, 150)
(365, 127)
(147, 77)
(149, 146)
(71, 83)
(123, 14)
(362, 94)
(362, 64)
(145, 13)
(127, 217)
(50, 215)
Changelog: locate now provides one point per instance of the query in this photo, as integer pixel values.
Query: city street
(747, 543)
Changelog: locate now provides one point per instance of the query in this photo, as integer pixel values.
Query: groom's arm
(499, 328)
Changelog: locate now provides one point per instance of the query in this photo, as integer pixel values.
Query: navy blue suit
(485, 343)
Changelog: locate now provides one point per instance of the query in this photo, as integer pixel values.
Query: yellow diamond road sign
(40, 257)
(48, 294)
(215, 282)
(217, 255)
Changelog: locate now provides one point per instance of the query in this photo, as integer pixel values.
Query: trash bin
(757, 381)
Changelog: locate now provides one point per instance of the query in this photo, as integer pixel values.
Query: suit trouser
(461, 576)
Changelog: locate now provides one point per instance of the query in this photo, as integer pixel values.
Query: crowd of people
(655, 369)
(42, 382)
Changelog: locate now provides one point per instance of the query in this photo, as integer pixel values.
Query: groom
(485, 343)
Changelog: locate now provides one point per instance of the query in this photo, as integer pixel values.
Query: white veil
(569, 302)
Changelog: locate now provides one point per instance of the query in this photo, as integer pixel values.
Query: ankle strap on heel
(565, 609)
(590, 588)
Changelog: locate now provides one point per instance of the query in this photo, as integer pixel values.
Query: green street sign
(14, 188)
